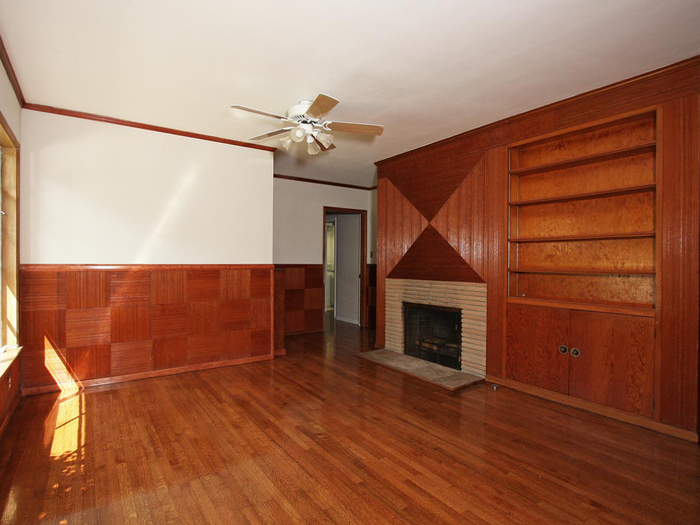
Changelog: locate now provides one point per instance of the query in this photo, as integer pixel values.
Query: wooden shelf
(642, 311)
(580, 272)
(648, 147)
(590, 195)
(592, 237)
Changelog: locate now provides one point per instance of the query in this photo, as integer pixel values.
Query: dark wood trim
(489, 128)
(147, 375)
(324, 182)
(10, 135)
(364, 307)
(601, 410)
(11, 75)
(124, 267)
(139, 125)
(304, 265)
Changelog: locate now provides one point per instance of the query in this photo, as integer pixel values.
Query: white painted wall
(105, 194)
(347, 268)
(9, 105)
(299, 219)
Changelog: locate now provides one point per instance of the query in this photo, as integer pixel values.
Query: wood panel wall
(102, 324)
(304, 302)
(459, 186)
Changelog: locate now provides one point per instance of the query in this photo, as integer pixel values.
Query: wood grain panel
(295, 278)
(616, 365)
(260, 284)
(168, 286)
(144, 304)
(635, 255)
(168, 320)
(129, 288)
(404, 222)
(314, 299)
(680, 253)
(40, 291)
(260, 342)
(203, 285)
(86, 289)
(614, 174)
(496, 255)
(237, 344)
(38, 325)
(131, 358)
(235, 284)
(205, 348)
(169, 352)
(313, 277)
(235, 315)
(432, 258)
(278, 317)
(131, 323)
(621, 290)
(203, 317)
(460, 221)
(615, 136)
(88, 327)
(89, 362)
(533, 339)
(605, 215)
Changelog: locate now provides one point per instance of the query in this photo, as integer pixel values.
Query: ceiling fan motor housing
(298, 111)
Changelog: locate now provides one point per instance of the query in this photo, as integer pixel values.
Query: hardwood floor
(320, 436)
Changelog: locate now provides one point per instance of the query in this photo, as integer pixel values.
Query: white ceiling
(425, 69)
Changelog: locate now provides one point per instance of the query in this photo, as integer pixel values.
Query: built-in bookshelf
(582, 218)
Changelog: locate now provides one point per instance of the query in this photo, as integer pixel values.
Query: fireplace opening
(433, 333)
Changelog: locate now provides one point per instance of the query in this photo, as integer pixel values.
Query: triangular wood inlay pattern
(460, 221)
(431, 258)
(429, 188)
(404, 224)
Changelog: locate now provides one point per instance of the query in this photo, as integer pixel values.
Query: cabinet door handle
(575, 352)
(563, 350)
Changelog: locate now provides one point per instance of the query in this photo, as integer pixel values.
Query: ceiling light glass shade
(325, 138)
(286, 142)
(298, 134)
(314, 149)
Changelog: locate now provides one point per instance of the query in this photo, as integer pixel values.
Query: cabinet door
(534, 335)
(616, 364)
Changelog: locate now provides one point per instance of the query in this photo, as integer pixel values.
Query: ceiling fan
(309, 125)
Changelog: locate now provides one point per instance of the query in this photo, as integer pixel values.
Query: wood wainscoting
(537, 205)
(102, 324)
(304, 302)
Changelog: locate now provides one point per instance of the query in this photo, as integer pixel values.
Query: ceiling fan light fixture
(325, 138)
(314, 149)
(286, 142)
(298, 134)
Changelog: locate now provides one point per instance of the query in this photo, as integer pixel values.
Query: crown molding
(140, 125)
(325, 182)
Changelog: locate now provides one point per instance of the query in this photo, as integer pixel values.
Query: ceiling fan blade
(321, 105)
(260, 112)
(271, 133)
(356, 127)
(323, 148)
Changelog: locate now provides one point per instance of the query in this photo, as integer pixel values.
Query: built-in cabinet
(582, 263)
(604, 358)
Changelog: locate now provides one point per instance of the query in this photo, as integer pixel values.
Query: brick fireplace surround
(469, 297)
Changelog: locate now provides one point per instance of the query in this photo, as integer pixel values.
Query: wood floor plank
(320, 436)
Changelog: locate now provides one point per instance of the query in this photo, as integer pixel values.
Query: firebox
(433, 333)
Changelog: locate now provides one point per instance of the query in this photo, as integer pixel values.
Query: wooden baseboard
(32, 391)
(596, 409)
(280, 352)
(9, 415)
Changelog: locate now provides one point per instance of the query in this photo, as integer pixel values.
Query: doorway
(344, 262)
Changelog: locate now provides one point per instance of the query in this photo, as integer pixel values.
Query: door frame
(333, 221)
(364, 307)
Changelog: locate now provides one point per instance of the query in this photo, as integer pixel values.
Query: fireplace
(433, 333)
